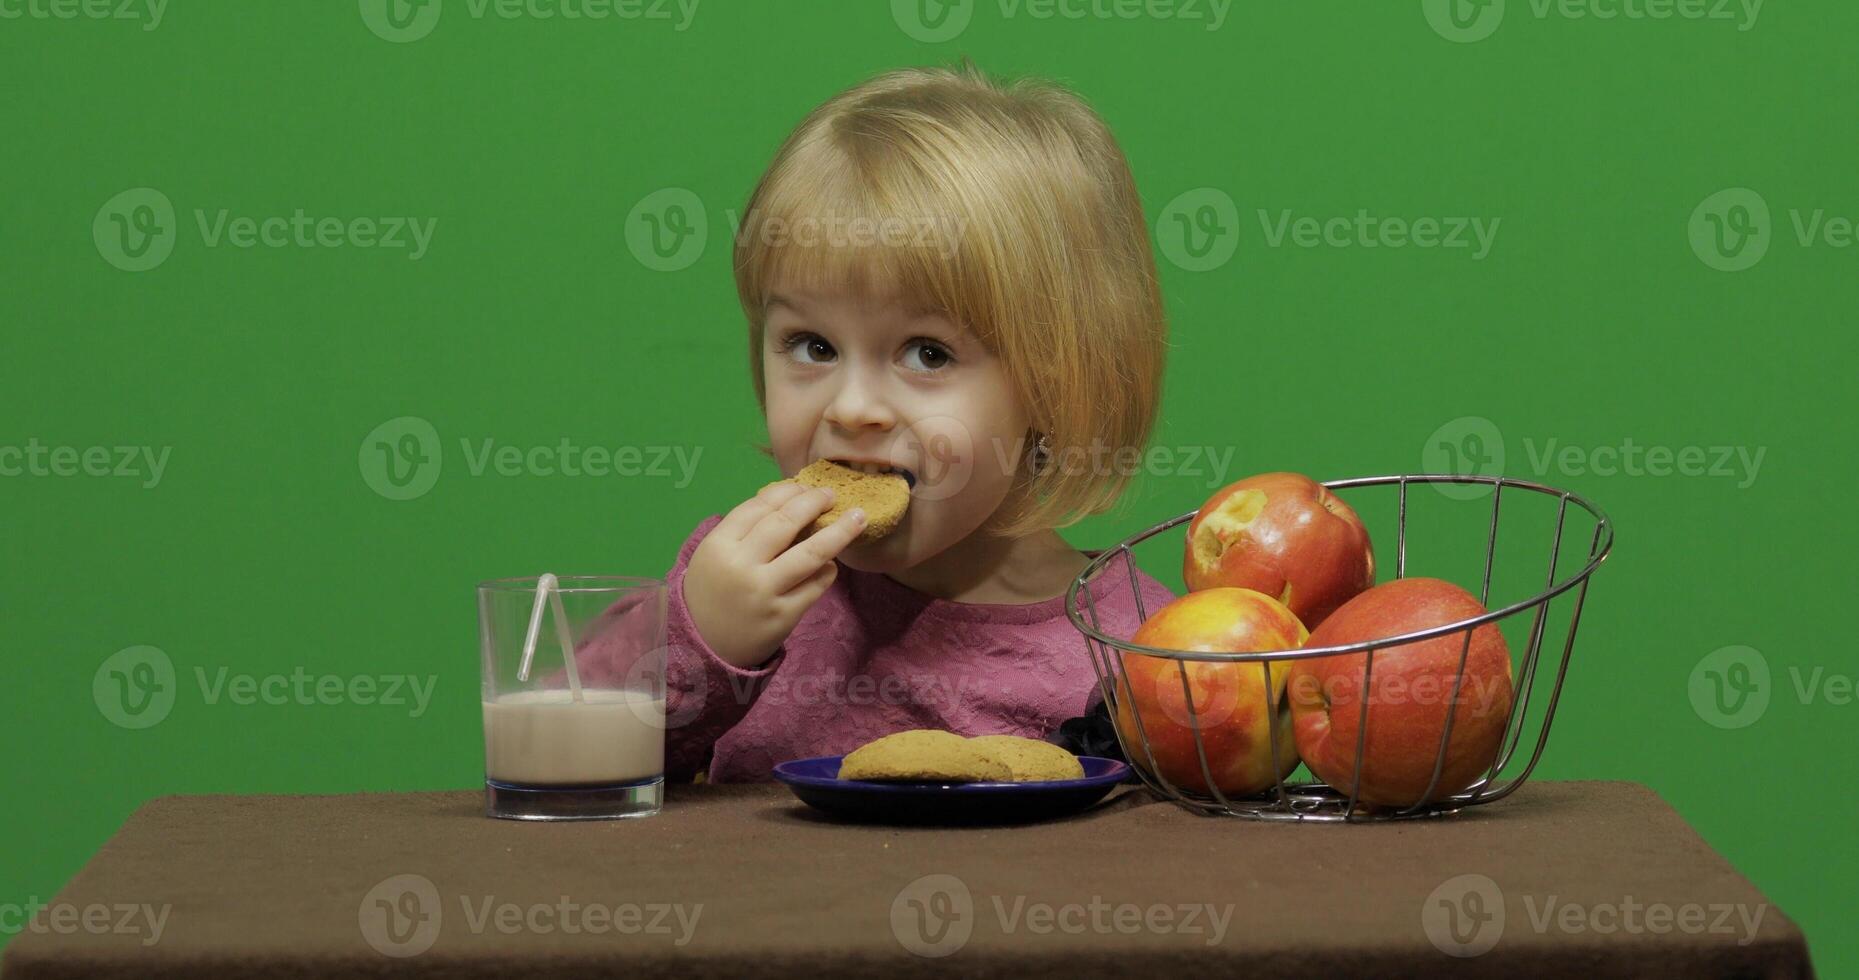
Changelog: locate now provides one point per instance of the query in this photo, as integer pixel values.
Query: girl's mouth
(878, 468)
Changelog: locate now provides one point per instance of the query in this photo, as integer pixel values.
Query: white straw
(566, 639)
(548, 589)
(544, 586)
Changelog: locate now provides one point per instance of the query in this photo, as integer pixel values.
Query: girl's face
(876, 381)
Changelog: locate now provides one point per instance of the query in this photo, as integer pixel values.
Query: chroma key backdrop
(318, 312)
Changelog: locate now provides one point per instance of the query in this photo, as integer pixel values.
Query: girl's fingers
(801, 563)
(777, 529)
(738, 522)
(811, 587)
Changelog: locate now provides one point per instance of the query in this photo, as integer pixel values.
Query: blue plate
(816, 782)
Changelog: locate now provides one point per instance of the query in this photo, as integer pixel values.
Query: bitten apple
(1410, 692)
(1229, 699)
(1285, 535)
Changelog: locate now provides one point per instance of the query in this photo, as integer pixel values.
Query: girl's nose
(859, 404)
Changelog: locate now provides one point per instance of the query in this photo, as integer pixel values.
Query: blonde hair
(1007, 207)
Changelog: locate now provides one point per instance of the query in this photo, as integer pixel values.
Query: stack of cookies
(927, 755)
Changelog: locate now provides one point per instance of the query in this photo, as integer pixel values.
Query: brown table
(1593, 879)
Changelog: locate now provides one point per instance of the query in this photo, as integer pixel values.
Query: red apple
(1229, 699)
(1410, 693)
(1285, 535)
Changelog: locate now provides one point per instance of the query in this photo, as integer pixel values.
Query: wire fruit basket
(1311, 799)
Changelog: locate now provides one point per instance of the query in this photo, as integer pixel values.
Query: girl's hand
(748, 584)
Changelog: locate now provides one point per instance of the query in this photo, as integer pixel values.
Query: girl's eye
(921, 355)
(807, 348)
(929, 356)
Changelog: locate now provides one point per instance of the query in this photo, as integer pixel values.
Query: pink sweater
(873, 657)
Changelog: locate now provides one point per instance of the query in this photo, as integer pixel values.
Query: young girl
(951, 277)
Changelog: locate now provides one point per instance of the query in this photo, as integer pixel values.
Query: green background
(263, 549)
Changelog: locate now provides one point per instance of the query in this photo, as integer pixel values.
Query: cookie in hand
(884, 496)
